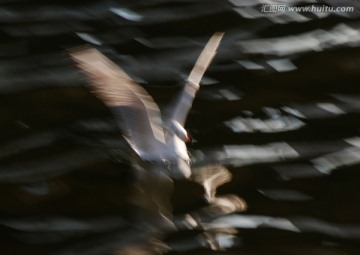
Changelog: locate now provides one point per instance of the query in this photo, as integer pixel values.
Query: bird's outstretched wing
(138, 115)
(184, 102)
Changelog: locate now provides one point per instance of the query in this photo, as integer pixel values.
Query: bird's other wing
(184, 101)
(138, 115)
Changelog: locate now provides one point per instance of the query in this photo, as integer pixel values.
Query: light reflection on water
(286, 160)
(241, 155)
(297, 224)
(271, 125)
(318, 40)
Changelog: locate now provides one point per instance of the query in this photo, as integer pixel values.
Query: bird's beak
(188, 138)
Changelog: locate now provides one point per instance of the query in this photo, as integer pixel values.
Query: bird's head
(180, 131)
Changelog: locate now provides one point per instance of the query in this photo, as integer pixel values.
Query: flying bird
(159, 143)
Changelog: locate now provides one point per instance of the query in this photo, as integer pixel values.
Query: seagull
(160, 142)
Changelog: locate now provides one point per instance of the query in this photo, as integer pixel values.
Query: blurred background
(279, 107)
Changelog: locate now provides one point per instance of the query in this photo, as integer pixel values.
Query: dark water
(279, 107)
